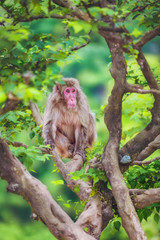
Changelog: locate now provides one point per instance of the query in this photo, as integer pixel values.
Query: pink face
(70, 94)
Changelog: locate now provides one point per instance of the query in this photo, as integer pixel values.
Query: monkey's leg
(62, 145)
(71, 148)
(79, 142)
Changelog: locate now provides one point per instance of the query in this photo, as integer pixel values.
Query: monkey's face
(70, 94)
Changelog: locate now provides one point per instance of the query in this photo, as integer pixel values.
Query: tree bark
(120, 191)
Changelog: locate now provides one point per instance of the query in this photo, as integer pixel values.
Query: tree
(26, 66)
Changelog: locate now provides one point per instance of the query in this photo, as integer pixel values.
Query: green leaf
(76, 189)
(3, 96)
(109, 186)
(156, 218)
(86, 229)
(12, 117)
(31, 134)
(136, 33)
(78, 26)
(117, 225)
(58, 182)
(67, 205)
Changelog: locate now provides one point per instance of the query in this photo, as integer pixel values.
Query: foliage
(92, 174)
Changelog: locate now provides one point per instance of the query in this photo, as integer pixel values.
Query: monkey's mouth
(71, 103)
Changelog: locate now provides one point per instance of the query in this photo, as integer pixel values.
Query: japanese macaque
(68, 125)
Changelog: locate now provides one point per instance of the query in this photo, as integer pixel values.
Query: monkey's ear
(58, 87)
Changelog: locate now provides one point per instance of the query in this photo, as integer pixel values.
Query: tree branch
(140, 163)
(143, 198)
(147, 37)
(83, 45)
(113, 112)
(152, 147)
(139, 9)
(75, 10)
(31, 18)
(138, 89)
(36, 194)
(94, 227)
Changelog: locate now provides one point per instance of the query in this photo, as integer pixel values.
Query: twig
(139, 9)
(138, 89)
(140, 163)
(29, 19)
(83, 45)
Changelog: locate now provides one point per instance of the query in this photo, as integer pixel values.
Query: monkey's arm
(49, 122)
(48, 139)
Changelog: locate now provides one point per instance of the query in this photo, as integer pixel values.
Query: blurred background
(91, 66)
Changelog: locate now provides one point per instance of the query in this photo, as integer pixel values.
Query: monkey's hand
(49, 142)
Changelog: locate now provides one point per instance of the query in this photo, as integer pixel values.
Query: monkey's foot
(71, 148)
(79, 152)
(49, 142)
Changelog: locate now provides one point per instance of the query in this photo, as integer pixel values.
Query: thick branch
(93, 227)
(147, 37)
(113, 112)
(144, 198)
(36, 194)
(152, 147)
(73, 165)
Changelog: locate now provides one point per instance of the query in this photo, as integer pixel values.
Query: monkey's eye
(67, 90)
(73, 90)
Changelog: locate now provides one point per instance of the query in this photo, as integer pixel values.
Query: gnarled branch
(113, 110)
(36, 194)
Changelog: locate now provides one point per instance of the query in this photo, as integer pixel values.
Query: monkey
(68, 125)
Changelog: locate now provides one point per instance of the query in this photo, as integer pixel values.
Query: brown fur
(69, 130)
